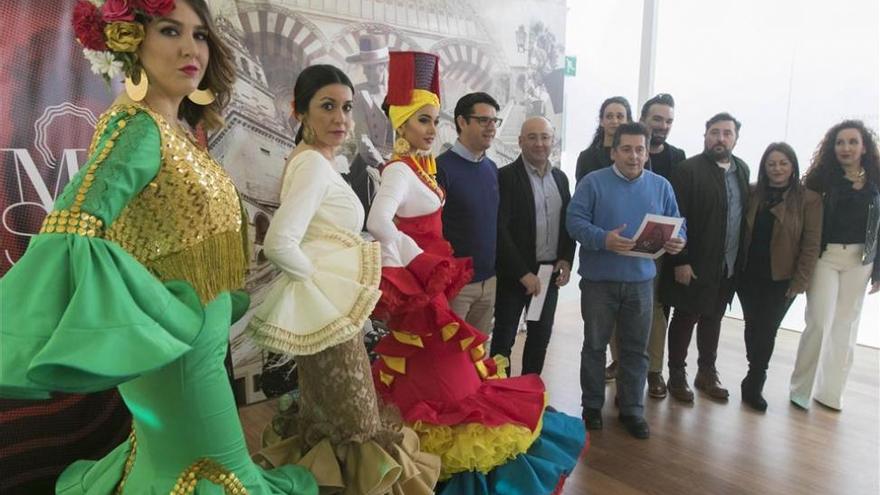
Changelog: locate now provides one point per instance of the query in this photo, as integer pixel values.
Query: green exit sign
(571, 65)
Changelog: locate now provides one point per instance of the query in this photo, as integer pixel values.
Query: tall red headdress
(411, 70)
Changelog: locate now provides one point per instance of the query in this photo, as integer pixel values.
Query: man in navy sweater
(470, 216)
(617, 290)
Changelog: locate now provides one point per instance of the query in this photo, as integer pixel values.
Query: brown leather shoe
(707, 381)
(611, 372)
(656, 385)
(678, 385)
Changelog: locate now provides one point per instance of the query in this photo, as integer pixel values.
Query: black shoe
(751, 387)
(678, 385)
(592, 419)
(656, 385)
(636, 426)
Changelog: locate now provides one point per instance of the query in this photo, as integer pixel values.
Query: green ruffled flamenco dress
(131, 284)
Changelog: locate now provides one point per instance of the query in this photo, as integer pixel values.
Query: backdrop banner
(511, 49)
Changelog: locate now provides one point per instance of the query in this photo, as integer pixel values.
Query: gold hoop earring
(137, 91)
(402, 146)
(202, 97)
(308, 134)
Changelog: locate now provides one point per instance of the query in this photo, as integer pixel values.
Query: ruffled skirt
(339, 433)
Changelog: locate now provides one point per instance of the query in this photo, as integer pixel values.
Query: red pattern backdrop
(49, 101)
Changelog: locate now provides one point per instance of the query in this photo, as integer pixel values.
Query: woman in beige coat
(781, 245)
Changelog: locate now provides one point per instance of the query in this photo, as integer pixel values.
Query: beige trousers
(475, 304)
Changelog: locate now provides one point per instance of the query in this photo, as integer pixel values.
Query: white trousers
(834, 305)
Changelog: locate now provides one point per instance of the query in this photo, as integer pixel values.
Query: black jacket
(871, 253)
(676, 155)
(516, 223)
(702, 199)
(591, 159)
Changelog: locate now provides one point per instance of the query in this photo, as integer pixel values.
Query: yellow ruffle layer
(473, 446)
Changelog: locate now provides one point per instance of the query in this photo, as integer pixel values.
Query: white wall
(787, 69)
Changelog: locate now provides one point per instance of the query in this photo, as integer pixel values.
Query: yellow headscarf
(399, 114)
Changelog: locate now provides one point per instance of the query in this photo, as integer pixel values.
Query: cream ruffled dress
(314, 312)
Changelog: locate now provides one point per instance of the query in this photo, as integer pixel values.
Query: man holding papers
(605, 215)
(532, 243)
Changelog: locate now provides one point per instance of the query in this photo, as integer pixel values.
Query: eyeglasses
(484, 121)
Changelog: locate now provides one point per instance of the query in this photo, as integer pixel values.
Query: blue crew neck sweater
(604, 201)
(470, 216)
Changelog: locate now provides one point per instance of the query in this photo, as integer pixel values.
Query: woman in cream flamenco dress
(494, 434)
(133, 281)
(315, 310)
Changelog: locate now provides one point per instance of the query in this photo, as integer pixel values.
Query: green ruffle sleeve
(79, 314)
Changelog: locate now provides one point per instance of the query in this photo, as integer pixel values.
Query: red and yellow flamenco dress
(493, 434)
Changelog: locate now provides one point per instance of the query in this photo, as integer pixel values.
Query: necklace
(426, 178)
(857, 177)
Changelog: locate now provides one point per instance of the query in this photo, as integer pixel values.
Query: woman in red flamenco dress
(493, 434)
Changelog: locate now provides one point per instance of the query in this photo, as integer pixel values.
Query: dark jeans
(509, 304)
(681, 328)
(626, 306)
(764, 306)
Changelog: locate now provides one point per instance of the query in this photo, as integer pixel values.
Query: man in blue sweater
(470, 215)
(617, 290)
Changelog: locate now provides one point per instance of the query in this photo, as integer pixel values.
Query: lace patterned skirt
(338, 430)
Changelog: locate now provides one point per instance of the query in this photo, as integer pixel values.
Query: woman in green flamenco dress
(132, 281)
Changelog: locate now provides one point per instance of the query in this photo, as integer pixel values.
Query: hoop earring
(202, 97)
(402, 146)
(137, 91)
(308, 135)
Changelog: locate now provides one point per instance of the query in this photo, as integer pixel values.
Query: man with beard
(658, 113)
(470, 216)
(712, 193)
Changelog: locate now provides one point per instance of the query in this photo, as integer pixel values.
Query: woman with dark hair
(613, 112)
(493, 434)
(846, 172)
(315, 310)
(139, 267)
(783, 229)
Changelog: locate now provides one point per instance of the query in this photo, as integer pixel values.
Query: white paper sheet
(536, 305)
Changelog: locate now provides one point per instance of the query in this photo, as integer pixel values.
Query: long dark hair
(825, 166)
(309, 82)
(794, 184)
(599, 135)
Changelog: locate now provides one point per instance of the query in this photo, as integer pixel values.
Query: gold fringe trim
(212, 266)
(285, 341)
(371, 255)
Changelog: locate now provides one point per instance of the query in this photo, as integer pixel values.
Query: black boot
(752, 388)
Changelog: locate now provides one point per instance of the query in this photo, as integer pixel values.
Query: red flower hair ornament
(110, 31)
